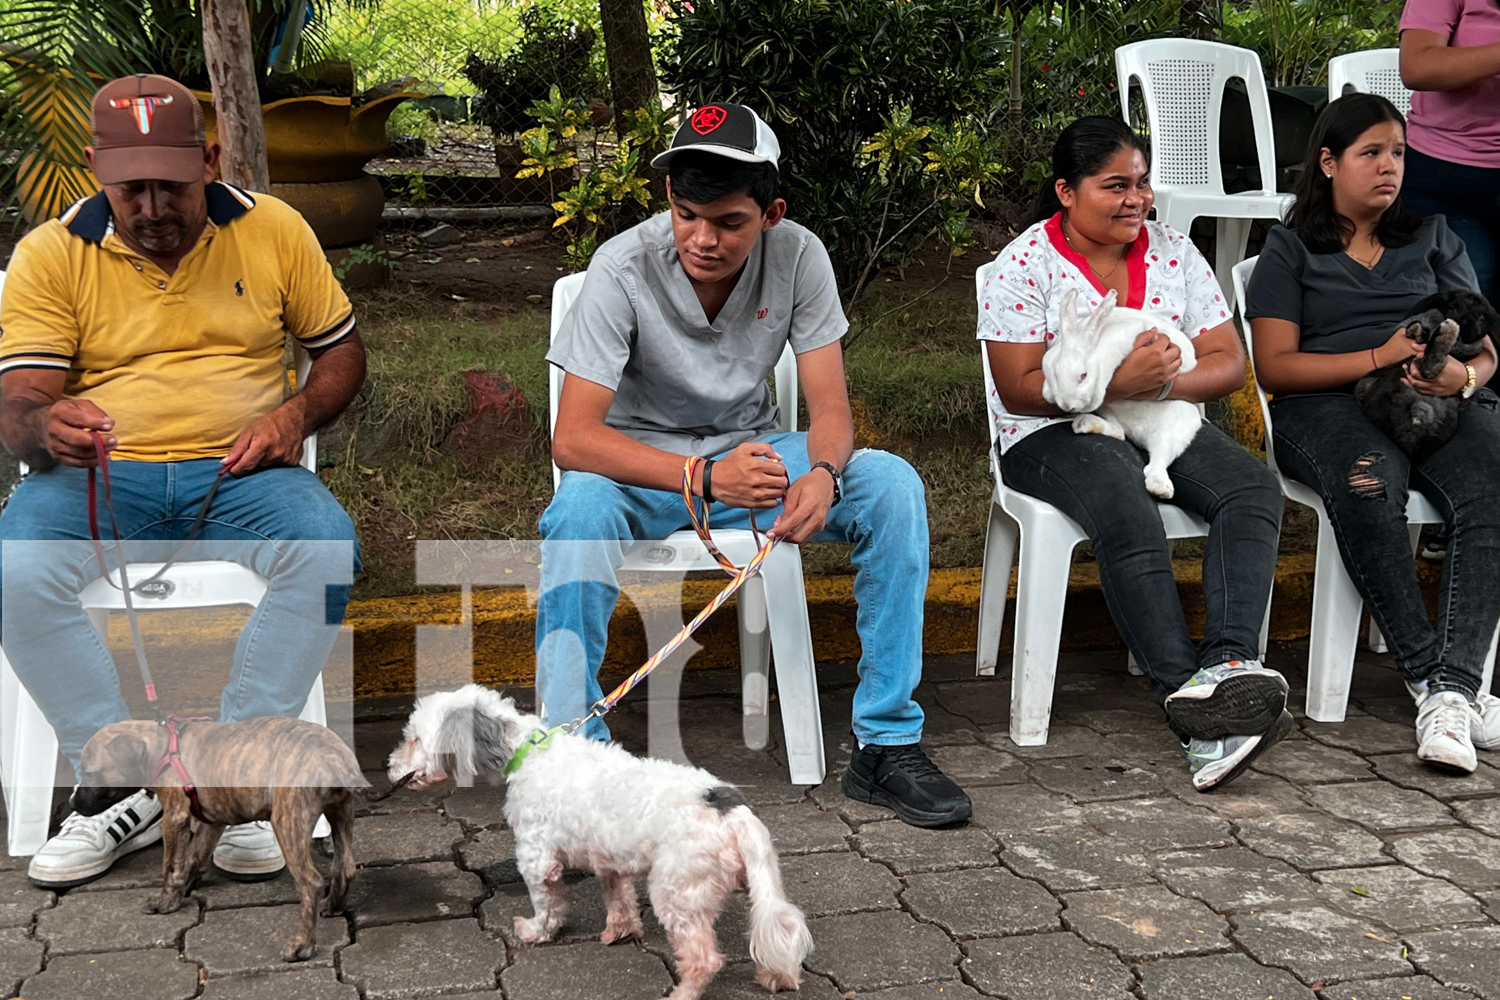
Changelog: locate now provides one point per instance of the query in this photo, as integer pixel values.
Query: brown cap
(147, 127)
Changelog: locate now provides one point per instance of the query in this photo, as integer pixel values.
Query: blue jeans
(255, 520)
(884, 513)
(1470, 199)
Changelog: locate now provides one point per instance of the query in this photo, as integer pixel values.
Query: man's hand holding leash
(751, 475)
(807, 506)
(66, 429)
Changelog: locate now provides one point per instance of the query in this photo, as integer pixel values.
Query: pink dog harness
(172, 760)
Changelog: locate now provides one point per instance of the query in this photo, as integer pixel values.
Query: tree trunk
(227, 50)
(627, 44)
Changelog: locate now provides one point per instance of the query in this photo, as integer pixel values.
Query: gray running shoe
(1215, 763)
(1231, 699)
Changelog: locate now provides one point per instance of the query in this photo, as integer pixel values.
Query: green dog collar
(538, 739)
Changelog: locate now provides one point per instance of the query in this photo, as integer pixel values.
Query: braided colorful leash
(739, 573)
(700, 525)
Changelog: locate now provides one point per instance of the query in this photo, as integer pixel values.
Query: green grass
(912, 366)
(915, 366)
(418, 359)
(913, 374)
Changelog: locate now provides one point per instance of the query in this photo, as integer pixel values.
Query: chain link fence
(479, 65)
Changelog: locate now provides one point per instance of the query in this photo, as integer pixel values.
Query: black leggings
(1098, 482)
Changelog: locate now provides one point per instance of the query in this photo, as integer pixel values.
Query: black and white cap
(731, 130)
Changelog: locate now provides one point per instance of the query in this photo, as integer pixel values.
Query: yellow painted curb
(201, 643)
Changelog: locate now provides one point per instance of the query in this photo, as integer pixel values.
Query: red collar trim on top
(1135, 262)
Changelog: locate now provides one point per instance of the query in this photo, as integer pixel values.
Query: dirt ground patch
(505, 263)
(499, 264)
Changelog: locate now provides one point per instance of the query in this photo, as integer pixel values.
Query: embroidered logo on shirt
(142, 108)
(762, 314)
(239, 288)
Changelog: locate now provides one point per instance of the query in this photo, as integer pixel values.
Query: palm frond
(55, 56)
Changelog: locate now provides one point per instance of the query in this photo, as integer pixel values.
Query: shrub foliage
(833, 77)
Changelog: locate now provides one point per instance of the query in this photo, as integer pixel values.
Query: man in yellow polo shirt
(156, 313)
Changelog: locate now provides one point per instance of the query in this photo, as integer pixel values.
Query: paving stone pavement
(1338, 868)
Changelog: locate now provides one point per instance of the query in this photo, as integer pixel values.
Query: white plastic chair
(1183, 80)
(1374, 71)
(772, 606)
(1337, 605)
(1046, 538)
(27, 741)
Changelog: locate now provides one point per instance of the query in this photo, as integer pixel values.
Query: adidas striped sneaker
(88, 846)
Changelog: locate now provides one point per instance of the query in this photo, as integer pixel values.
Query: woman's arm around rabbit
(1017, 371)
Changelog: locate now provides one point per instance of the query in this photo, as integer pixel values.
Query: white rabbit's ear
(1093, 326)
(1068, 324)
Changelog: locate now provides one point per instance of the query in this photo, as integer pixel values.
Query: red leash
(172, 759)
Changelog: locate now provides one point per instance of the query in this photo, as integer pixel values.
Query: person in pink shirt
(1450, 57)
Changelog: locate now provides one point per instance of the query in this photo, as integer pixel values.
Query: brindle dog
(283, 770)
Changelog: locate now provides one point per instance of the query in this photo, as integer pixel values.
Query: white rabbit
(1077, 369)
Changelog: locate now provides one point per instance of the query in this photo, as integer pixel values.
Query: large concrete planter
(317, 148)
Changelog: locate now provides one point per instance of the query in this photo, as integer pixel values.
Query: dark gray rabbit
(1453, 323)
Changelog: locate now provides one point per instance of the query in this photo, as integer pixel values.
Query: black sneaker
(903, 779)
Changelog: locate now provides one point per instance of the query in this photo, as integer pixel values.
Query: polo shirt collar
(91, 219)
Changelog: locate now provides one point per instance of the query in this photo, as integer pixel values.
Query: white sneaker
(1486, 731)
(249, 853)
(1445, 722)
(88, 846)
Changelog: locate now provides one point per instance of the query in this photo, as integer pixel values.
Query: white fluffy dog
(1077, 370)
(585, 804)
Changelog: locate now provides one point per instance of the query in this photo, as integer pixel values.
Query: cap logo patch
(708, 118)
(143, 109)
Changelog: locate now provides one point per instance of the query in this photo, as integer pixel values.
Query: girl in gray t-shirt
(1325, 304)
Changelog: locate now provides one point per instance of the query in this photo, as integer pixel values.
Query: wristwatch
(838, 485)
(1473, 385)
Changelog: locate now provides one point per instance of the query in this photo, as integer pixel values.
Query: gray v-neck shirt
(1339, 305)
(681, 383)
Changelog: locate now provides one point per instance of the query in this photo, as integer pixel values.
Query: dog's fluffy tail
(779, 938)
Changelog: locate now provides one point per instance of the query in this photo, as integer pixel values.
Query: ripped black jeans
(1325, 441)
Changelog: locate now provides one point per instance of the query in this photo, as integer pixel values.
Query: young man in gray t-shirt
(667, 351)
